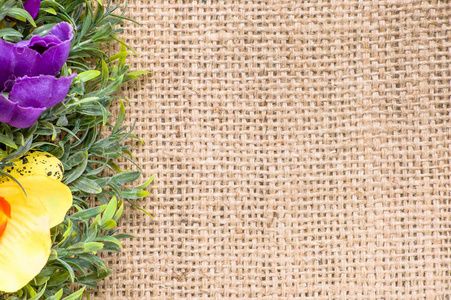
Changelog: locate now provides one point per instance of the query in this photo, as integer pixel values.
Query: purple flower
(27, 73)
(30, 96)
(32, 6)
(37, 56)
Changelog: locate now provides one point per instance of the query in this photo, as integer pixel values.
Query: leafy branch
(78, 131)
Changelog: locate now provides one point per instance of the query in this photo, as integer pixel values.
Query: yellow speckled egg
(35, 162)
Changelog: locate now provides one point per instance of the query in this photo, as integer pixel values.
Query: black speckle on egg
(49, 173)
(47, 155)
(24, 160)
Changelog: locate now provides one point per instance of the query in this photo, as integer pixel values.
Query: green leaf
(108, 224)
(40, 293)
(109, 148)
(30, 290)
(147, 183)
(89, 213)
(68, 268)
(89, 279)
(109, 239)
(118, 213)
(58, 278)
(119, 56)
(20, 151)
(87, 185)
(85, 247)
(124, 236)
(86, 24)
(125, 177)
(109, 211)
(140, 208)
(109, 89)
(120, 117)
(10, 32)
(105, 75)
(20, 14)
(77, 295)
(134, 75)
(75, 173)
(49, 10)
(57, 296)
(7, 141)
(75, 159)
(88, 75)
(134, 193)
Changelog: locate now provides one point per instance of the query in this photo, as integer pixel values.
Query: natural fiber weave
(302, 150)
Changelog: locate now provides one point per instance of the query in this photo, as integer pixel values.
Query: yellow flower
(25, 222)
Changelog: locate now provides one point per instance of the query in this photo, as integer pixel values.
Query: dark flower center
(41, 49)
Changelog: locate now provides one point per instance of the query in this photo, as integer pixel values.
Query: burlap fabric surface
(301, 151)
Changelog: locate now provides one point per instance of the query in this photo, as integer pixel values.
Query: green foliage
(78, 131)
(13, 9)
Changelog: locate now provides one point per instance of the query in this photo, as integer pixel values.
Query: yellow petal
(5, 214)
(25, 243)
(55, 196)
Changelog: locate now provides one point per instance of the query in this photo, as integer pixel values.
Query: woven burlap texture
(301, 150)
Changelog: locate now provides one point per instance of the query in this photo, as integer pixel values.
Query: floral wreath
(61, 190)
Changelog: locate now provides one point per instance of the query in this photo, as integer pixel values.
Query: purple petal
(42, 42)
(32, 6)
(54, 49)
(22, 63)
(63, 31)
(40, 92)
(7, 108)
(25, 60)
(52, 60)
(17, 116)
(37, 56)
(6, 63)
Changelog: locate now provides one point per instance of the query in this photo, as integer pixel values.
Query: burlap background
(302, 149)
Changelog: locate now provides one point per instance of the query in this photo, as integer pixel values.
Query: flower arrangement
(62, 192)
